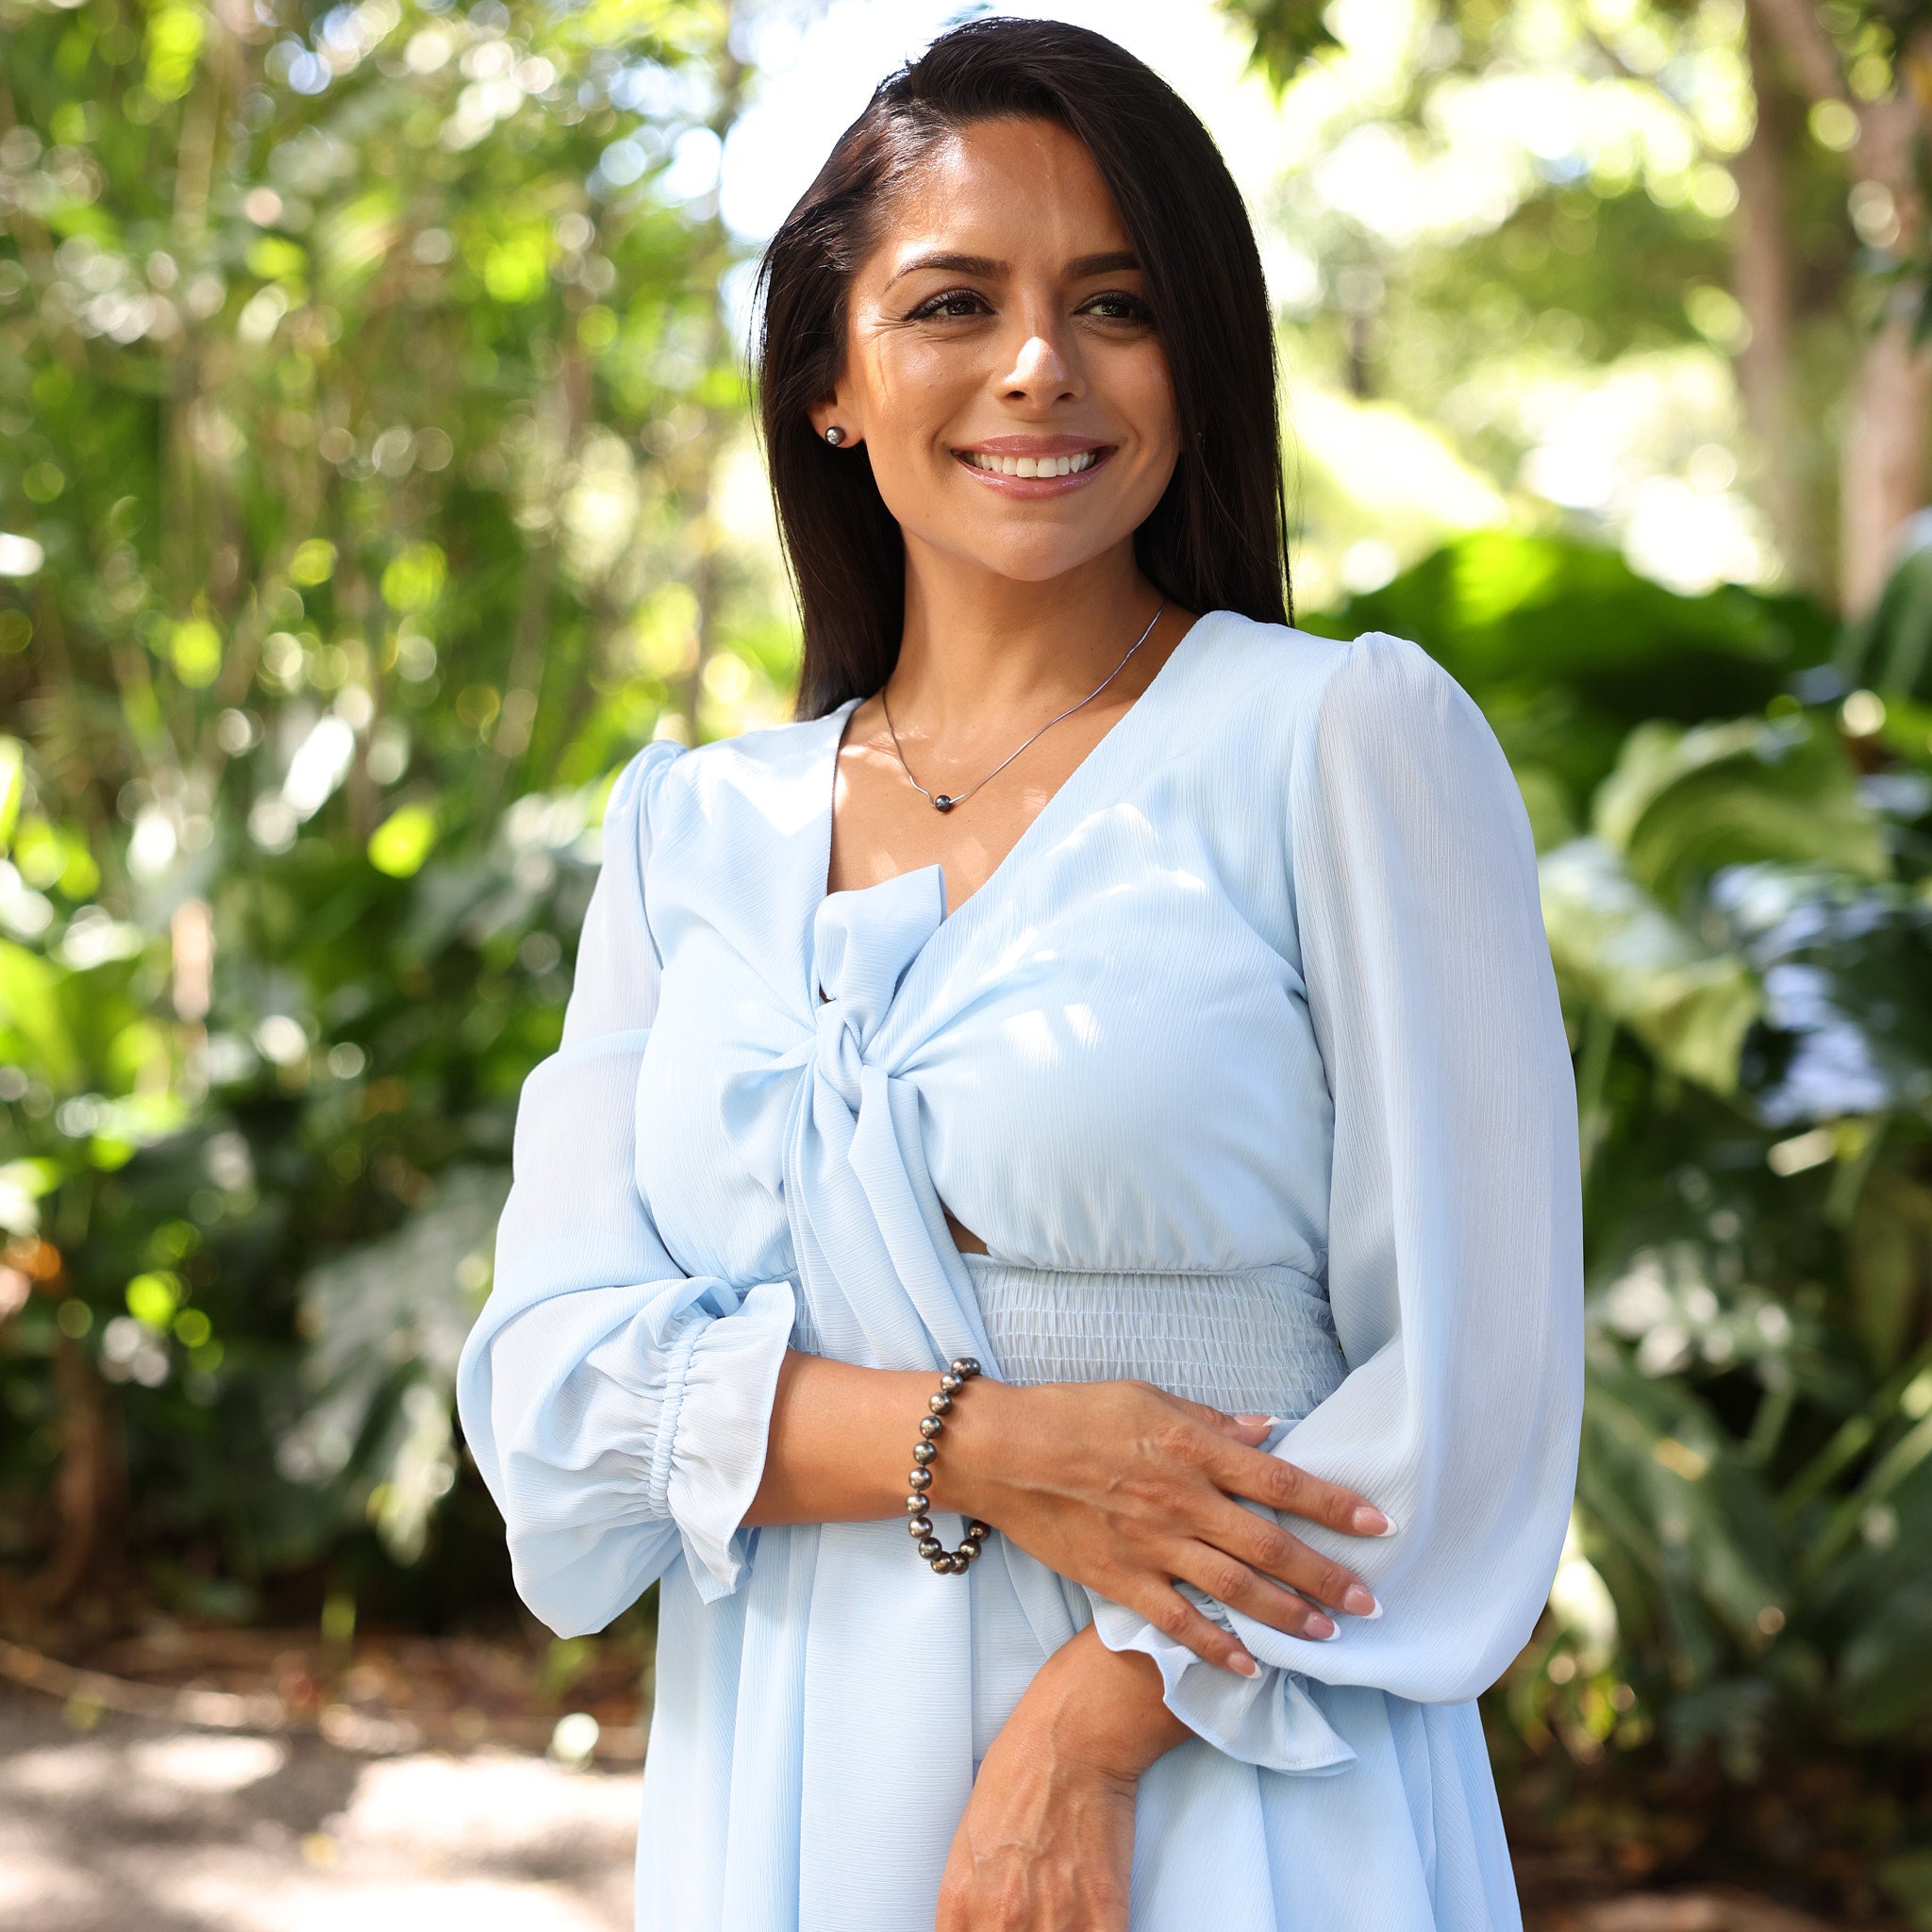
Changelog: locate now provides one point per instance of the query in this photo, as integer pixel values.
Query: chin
(1037, 563)
(1029, 549)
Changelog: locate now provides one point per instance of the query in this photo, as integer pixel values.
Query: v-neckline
(828, 783)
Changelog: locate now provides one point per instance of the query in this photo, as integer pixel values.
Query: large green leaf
(1567, 649)
(1891, 646)
(1616, 948)
(1680, 805)
(35, 1029)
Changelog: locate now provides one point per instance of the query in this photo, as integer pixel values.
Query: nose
(1043, 370)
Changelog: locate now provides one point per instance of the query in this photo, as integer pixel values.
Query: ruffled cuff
(714, 1417)
(1270, 1720)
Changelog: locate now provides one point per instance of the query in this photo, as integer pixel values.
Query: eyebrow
(1077, 270)
(951, 264)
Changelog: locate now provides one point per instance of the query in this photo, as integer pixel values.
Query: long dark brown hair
(1218, 538)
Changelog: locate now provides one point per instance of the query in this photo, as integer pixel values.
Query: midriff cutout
(964, 1237)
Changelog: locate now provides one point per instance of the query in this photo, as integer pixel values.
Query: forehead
(1007, 189)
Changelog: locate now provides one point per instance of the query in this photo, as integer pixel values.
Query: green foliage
(1891, 647)
(1743, 940)
(1285, 32)
(1568, 650)
(363, 394)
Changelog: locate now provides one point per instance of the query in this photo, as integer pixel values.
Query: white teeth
(1032, 466)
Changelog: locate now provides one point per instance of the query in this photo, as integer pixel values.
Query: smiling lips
(1049, 464)
(1031, 466)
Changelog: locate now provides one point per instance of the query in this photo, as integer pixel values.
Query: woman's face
(1001, 366)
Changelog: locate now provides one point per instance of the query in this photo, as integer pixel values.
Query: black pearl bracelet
(945, 1562)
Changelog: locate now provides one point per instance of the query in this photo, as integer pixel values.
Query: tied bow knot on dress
(881, 1280)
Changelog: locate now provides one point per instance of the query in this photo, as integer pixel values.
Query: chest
(1106, 1060)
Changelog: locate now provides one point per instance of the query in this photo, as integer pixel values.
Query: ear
(835, 411)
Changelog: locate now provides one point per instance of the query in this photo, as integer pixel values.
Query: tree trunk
(1882, 458)
(1882, 451)
(1764, 279)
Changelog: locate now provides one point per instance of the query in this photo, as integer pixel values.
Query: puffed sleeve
(1455, 1258)
(616, 1407)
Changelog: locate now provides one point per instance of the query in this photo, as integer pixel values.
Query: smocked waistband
(1262, 1339)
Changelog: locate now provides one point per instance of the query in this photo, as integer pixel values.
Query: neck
(980, 646)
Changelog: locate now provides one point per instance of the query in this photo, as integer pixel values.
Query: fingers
(1232, 1582)
(1172, 1614)
(1284, 1486)
(1265, 1547)
(1241, 1470)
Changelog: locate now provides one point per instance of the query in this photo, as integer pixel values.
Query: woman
(1103, 981)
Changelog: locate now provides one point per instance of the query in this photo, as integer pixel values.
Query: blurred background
(377, 474)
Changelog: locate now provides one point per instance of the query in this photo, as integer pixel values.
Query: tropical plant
(367, 407)
(1739, 916)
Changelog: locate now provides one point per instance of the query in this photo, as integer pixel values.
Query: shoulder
(1384, 690)
(1319, 696)
(679, 813)
(667, 782)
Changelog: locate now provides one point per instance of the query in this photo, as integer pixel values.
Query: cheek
(910, 392)
(1143, 394)
(910, 384)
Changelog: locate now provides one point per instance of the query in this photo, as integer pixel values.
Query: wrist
(966, 1469)
(1102, 1712)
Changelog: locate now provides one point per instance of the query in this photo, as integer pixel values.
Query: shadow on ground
(137, 1823)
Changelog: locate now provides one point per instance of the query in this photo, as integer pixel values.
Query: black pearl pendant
(943, 804)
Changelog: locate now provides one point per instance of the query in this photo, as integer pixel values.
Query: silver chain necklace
(946, 801)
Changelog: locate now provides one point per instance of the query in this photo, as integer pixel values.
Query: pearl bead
(945, 1562)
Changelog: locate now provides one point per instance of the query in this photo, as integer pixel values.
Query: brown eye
(1116, 306)
(953, 305)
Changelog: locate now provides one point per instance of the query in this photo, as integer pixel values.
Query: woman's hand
(1126, 1488)
(1047, 1840)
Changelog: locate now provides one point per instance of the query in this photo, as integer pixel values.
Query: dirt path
(142, 1826)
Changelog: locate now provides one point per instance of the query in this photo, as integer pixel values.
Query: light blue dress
(1247, 1066)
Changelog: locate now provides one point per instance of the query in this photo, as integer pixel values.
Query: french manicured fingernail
(1319, 1627)
(1246, 1664)
(1369, 1521)
(1256, 1422)
(1358, 1602)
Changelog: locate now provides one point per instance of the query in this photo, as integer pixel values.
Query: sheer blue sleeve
(616, 1407)
(1454, 1268)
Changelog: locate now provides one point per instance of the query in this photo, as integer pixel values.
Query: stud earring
(835, 436)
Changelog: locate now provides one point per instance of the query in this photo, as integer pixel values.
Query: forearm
(841, 1441)
(839, 1448)
(1101, 1708)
